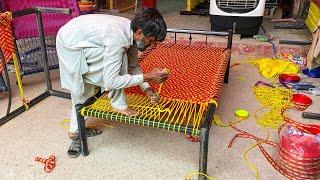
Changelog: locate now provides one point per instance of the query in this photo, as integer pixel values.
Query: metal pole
(230, 39)
(203, 160)
(43, 49)
(191, 31)
(8, 83)
(229, 47)
(82, 131)
(204, 141)
(22, 109)
(60, 94)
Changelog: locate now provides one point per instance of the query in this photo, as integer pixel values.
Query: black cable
(274, 48)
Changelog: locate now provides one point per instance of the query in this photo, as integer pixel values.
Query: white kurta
(93, 50)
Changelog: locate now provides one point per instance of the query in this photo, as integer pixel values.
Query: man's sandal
(75, 148)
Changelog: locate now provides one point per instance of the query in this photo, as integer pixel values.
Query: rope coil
(49, 164)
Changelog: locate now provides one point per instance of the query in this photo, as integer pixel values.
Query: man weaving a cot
(101, 51)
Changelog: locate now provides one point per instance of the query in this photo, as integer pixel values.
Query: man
(313, 58)
(101, 51)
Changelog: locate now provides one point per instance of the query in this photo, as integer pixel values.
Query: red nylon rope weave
(196, 72)
(6, 37)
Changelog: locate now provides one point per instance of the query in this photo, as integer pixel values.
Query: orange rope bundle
(196, 72)
(49, 164)
(6, 37)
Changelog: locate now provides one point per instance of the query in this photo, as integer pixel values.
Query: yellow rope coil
(273, 97)
(273, 67)
(273, 100)
(272, 119)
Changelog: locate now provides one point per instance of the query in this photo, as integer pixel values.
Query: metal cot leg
(229, 47)
(82, 131)
(204, 139)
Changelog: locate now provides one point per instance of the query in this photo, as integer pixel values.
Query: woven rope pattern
(6, 38)
(196, 76)
(168, 114)
(196, 72)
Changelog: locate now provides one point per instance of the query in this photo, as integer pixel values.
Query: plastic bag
(300, 143)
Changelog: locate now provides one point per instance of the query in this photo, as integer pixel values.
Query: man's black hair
(151, 23)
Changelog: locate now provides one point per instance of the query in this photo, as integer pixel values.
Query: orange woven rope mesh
(196, 72)
(6, 37)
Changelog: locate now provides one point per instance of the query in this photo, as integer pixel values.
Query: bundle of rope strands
(6, 38)
(274, 99)
(49, 164)
(195, 80)
(270, 68)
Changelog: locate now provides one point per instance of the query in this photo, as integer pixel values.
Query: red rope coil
(49, 164)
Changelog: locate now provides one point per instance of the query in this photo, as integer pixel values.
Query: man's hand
(157, 75)
(154, 98)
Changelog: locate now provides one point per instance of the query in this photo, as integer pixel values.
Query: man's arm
(111, 72)
(134, 67)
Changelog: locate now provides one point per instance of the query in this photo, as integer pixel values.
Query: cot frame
(7, 84)
(205, 127)
(49, 90)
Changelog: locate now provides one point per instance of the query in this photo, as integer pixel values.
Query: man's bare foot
(128, 112)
